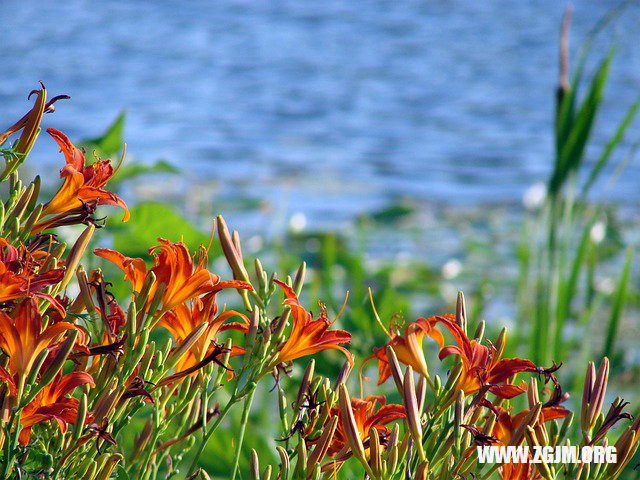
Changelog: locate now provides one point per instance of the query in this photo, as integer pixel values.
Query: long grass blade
(618, 305)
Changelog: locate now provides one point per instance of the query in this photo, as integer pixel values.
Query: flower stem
(205, 439)
(243, 425)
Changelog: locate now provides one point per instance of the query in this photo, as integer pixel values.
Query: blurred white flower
(254, 243)
(605, 285)
(451, 269)
(297, 222)
(534, 196)
(598, 231)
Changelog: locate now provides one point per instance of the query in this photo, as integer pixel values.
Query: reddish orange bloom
(407, 347)
(309, 336)
(19, 275)
(368, 415)
(22, 339)
(175, 268)
(51, 403)
(183, 320)
(83, 184)
(507, 424)
(482, 366)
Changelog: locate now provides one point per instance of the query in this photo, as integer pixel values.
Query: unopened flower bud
(375, 460)
(461, 312)
(321, 447)
(303, 390)
(254, 465)
(411, 409)
(284, 462)
(73, 259)
(529, 420)
(394, 365)
(349, 423)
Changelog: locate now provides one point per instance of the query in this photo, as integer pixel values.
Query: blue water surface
(344, 106)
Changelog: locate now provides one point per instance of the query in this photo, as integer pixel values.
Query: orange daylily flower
(309, 336)
(51, 403)
(83, 184)
(19, 276)
(183, 320)
(507, 424)
(23, 339)
(482, 366)
(407, 347)
(175, 268)
(372, 412)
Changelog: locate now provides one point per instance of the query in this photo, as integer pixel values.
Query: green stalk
(205, 438)
(243, 425)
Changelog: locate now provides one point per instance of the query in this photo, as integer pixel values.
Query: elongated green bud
(73, 259)
(301, 461)
(461, 312)
(80, 419)
(411, 408)
(31, 221)
(254, 465)
(58, 361)
(349, 423)
(109, 465)
(303, 390)
(298, 282)
(322, 446)
(185, 346)
(284, 462)
(35, 369)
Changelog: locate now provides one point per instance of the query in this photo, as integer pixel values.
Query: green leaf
(149, 221)
(618, 305)
(611, 145)
(571, 149)
(111, 141)
(121, 473)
